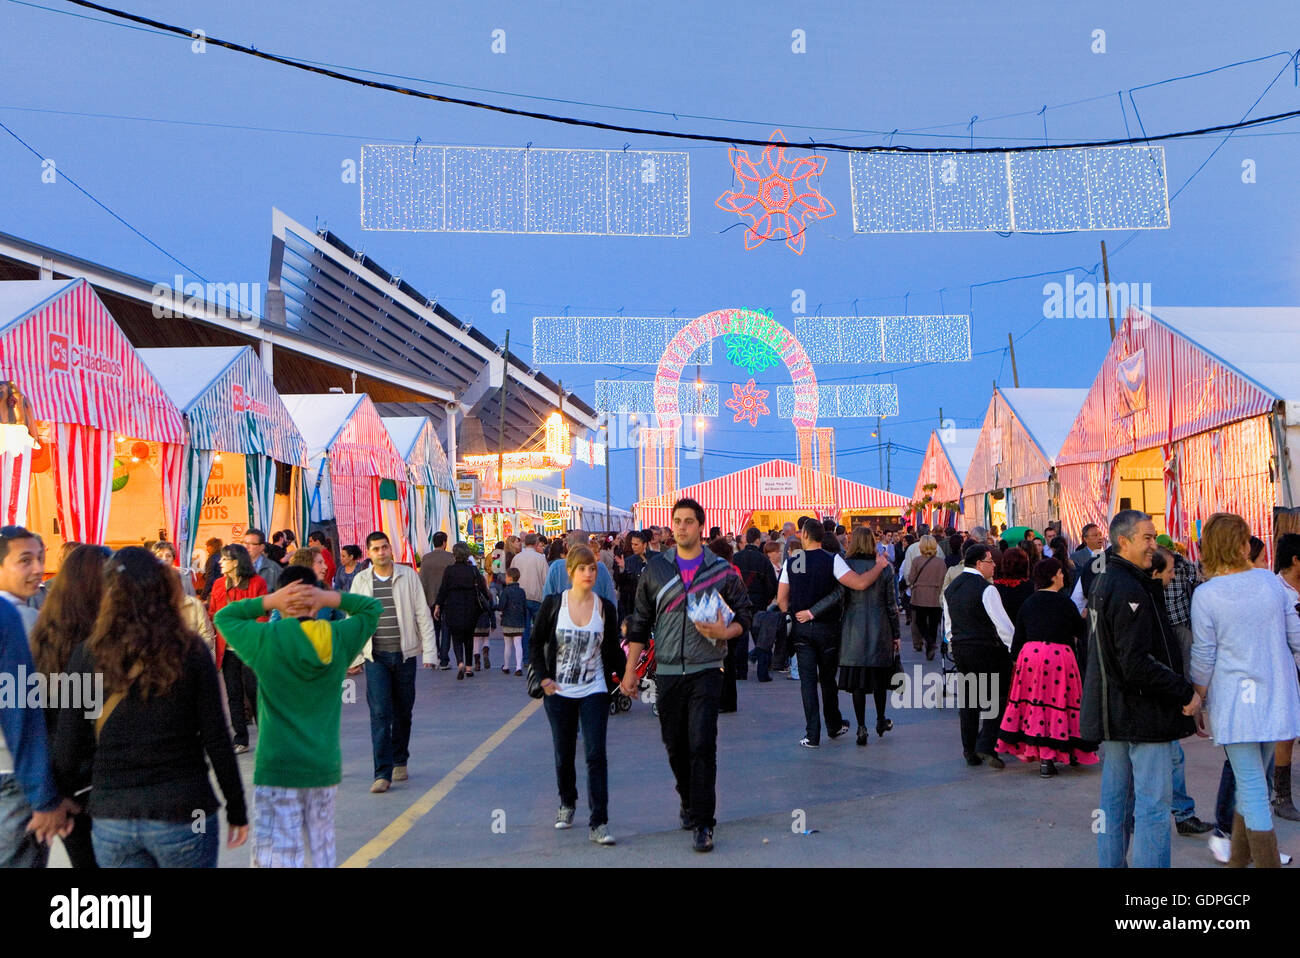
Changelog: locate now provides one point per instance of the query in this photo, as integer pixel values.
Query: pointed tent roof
(1046, 414)
(945, 464)
(346, 427)
(741, 491)
(229, 399)
(959, 448)
(417, 442)
(1021, 437)
(62, 347)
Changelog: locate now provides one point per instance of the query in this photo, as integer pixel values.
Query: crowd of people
(1113, 651)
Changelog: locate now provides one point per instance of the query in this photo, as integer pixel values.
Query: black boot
(1283, 806)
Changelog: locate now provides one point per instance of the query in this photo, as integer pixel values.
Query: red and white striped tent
(947, 458)
(350, 458)
(1010, 478)
(102, 420)
(775, 486)
(1192, 413)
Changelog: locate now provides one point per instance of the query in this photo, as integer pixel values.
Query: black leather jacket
(1133, 689)
(542, 646)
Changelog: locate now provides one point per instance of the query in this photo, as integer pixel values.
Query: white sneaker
(601, 835)
(1220, 847)
(564, 817)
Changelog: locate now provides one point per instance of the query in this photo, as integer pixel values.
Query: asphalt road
(483, 794)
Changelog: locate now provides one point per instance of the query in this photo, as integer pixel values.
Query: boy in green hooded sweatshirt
(300, 663)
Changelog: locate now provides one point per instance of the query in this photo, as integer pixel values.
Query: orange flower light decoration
(747, 402)
(776, 195)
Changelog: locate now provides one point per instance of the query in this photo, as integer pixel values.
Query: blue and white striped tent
(431, 504)
(230, 406)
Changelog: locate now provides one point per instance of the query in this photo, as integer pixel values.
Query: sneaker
(808, 743)
(446, 667)
(843, 730)
(1193, 826)
(1047, 769)
(241, 749)
(399, 773)
(564, 817)
(993, 760)
(703, 839)
(381, 785)
(862, 736)
(1220, 847)
(684, 816)
(601, 835)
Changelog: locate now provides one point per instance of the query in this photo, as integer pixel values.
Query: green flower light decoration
(749, 353)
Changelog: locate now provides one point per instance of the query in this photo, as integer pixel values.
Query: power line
(668, 134)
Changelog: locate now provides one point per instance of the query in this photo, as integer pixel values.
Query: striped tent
(89, 391)
(230, 406)
(730, 500)
(349, 455)
(947, 458)
(1208, 393)
(1015, 456)
(429, 498)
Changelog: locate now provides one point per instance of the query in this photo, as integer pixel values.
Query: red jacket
(222, 597)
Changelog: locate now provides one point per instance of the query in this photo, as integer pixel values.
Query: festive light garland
(885, 339)
(851, 401)
(1050, 191)
(608, 340)
(776, 194)
(592, 453)
(479, 189)
(638, 396)
(748, 402)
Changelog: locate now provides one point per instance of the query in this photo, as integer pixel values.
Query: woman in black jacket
(575, 660)
(463, 589)
(142, 756)
(869, 635)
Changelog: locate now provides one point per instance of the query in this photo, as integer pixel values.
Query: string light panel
(638, 396)
(1046, 191)
(850, 401)
(609, 340)
(480, 189)
(885, 339)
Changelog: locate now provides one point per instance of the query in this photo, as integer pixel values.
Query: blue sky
(199, 180)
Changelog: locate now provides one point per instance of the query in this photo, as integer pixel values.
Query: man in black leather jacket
(1135, 698)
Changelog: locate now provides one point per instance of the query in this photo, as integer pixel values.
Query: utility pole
(699, 418)
(880, 449)
(889, 468)
(609, 526)
(1105, 274)
(1015, 376)
(562, 486)
(501, 420)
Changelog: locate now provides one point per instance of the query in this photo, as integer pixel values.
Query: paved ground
(906, 799)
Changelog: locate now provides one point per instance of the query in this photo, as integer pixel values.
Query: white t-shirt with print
(579, 666)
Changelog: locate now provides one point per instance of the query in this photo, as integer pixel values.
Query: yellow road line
(404, 822)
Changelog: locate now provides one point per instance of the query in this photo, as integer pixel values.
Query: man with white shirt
(1088, 562)
(981, 644)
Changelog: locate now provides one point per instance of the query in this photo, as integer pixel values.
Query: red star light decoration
(747, 402)
(781, 198)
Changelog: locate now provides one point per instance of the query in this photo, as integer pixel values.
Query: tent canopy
(229, 399)
(1046, 414)
(959, 448)
(417, 442)
(59, 343)
(346, 427)
(1022, 433)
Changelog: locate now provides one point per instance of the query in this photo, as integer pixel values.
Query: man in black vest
(981, 642)
(760, 581)
(808, 589)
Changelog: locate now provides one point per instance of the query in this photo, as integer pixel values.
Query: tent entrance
(225, 501)
(1140, 482)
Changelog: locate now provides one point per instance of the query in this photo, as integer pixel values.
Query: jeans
(1250, 762)
(565, 715)
(763, 660)
(18, 847)
(727, 700)
(145, 843)
(738, 650)
(390, 693)
(1183, 806)
(925, 625)
(240, 682)
(981, 734)
(444, 641)
(818, 652)
(1136, 795)
(533, 608)
(688, 720)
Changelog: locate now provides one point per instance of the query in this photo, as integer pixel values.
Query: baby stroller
(645, 673)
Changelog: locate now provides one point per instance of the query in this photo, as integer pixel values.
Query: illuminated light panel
(749, 402)
(558, 441)
(592, 453)
(1046, 191)
(851, 401)
(474, 189)
(638, 396)
(535, 459)
(885, 339)
(608, 340)
(776, 195)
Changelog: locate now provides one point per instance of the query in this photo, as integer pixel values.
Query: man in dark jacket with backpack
(1135, 698)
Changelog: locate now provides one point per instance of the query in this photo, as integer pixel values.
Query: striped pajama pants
(293, 827)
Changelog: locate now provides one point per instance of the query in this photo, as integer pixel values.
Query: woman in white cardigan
(1245, 647)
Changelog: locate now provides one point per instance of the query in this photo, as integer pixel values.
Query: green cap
(1164, 541)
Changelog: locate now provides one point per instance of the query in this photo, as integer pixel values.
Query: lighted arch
(741, 322)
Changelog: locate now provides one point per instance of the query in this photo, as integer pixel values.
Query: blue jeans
(1183, 806)
(565, 715)
(1136, 796)
(145, 843)
(1250, 761)
(533, 609)
(18, 847)
(390, 693)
